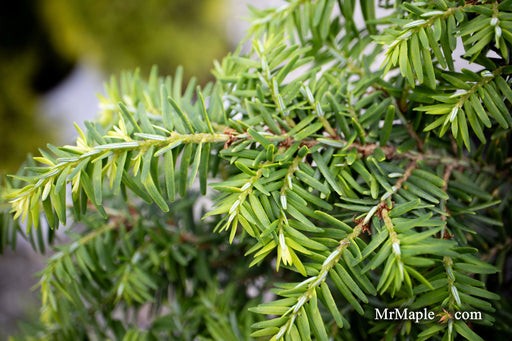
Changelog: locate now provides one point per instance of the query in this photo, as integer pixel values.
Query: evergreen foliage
(339, 184)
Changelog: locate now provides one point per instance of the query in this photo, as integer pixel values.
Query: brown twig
(415, 136)
(369, 148)
(407, 174)
(446, 177)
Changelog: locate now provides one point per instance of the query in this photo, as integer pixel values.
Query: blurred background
(55, 56)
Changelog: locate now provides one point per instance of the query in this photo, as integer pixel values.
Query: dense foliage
(338, 185)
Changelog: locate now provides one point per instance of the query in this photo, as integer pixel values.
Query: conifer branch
(344, 187)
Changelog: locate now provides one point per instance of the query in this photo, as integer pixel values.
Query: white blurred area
(74, 100)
